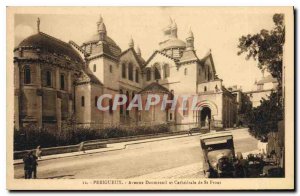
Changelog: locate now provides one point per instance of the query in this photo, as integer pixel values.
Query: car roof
(215, 135)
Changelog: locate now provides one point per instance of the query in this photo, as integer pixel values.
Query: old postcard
(150, 98)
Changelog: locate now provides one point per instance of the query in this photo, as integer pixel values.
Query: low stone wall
(100, 143)
(95, 144)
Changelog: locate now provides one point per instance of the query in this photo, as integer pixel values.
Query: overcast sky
(215, 29)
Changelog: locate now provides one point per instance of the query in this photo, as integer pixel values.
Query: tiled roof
(153, 55)
(87, 77)
(267, 79)
(188, 55)
(107, 46)
(139, 59)
(51, 44)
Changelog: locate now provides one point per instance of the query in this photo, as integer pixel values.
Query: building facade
(55, 80)
(262, 89)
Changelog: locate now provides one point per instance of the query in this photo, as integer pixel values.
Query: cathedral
(55, 81)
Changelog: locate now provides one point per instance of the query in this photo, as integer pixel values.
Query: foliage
(246, 106)
(31, 137)
(35, 136)
(264, 118)
(266, 47)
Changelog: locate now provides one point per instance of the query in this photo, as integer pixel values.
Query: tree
(266, 47)
(263, 119)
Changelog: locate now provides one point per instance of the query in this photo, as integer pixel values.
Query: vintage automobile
(218, 154)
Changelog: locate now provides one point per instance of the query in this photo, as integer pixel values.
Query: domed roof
(108, 46)
(96, 38)
(50, 44)
(172, 43)
(101, 43)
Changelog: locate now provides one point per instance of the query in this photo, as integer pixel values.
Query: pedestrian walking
(38, 152)
(27, 165)
(33, 165)
(81, 147)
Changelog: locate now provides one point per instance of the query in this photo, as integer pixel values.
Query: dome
(50, 44)
(108, 46)
(172, 43)
(96, 38)
(101, 43)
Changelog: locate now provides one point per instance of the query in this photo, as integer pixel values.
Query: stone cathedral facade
(55, 81)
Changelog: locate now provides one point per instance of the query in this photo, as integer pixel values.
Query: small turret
(131, 43)
(190, 41)
(101, 28)
(174, 29)
(38, 22)
(138, 51)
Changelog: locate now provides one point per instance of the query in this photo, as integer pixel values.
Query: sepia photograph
(150, 98)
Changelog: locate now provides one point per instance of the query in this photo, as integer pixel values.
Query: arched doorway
(204, 116)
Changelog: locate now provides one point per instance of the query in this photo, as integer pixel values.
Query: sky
(215, 29)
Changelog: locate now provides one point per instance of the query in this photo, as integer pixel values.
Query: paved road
(173, 158)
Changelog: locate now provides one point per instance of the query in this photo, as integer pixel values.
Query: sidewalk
(110, 147)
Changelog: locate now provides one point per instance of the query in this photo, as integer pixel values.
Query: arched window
(27, 76)
(130, 71)
(205, 88)
(82, 101)
(96, 100)
(157, 74)
(48, 78)
(166, 71)
(148, 75)
(185, 71)
(137, 76)
(171, 116)
(94, 68)
(110, 69)
(62, 82)
(123, 70)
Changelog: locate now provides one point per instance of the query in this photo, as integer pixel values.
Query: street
(172, 158)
